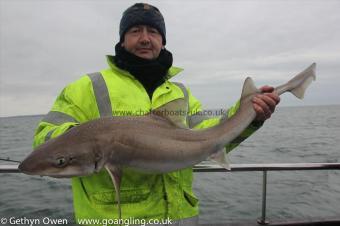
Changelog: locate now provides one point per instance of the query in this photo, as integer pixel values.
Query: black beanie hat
(142, 14)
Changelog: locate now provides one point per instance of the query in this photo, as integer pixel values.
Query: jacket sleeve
(199, 119)
(68, 110)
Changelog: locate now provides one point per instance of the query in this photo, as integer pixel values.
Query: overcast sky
(47, 44)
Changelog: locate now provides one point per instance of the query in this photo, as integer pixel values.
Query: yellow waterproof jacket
(114, 92)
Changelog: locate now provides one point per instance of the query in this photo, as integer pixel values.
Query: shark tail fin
(298, 85)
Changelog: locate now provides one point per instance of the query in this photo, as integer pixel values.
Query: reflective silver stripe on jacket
(186, 97)
(185, 92)
(58, 118)
(197, 118)
(49, 134)
(101, 94)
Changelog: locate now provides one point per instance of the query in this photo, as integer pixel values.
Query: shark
(155, 143)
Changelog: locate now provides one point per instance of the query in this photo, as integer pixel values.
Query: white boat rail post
(9, 169)
(263, 220)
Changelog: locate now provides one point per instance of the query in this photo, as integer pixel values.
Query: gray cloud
(47, 44)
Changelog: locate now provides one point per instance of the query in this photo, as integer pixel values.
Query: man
(136, 81)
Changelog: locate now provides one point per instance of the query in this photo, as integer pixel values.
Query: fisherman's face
(143, 41)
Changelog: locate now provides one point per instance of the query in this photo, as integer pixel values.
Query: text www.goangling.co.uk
(125, 222)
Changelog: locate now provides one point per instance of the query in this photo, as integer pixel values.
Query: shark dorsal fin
(249, 88)
(175, 111)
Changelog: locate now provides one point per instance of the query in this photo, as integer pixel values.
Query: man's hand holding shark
(264, 103)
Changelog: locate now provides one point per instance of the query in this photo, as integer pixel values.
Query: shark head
(63, 158)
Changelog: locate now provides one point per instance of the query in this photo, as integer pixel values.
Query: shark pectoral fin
(115, 173)
(175, 111)
(221, 158)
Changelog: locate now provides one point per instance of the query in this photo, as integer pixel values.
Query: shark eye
(61, 162)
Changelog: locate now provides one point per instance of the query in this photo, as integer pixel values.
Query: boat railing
(264, 168)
